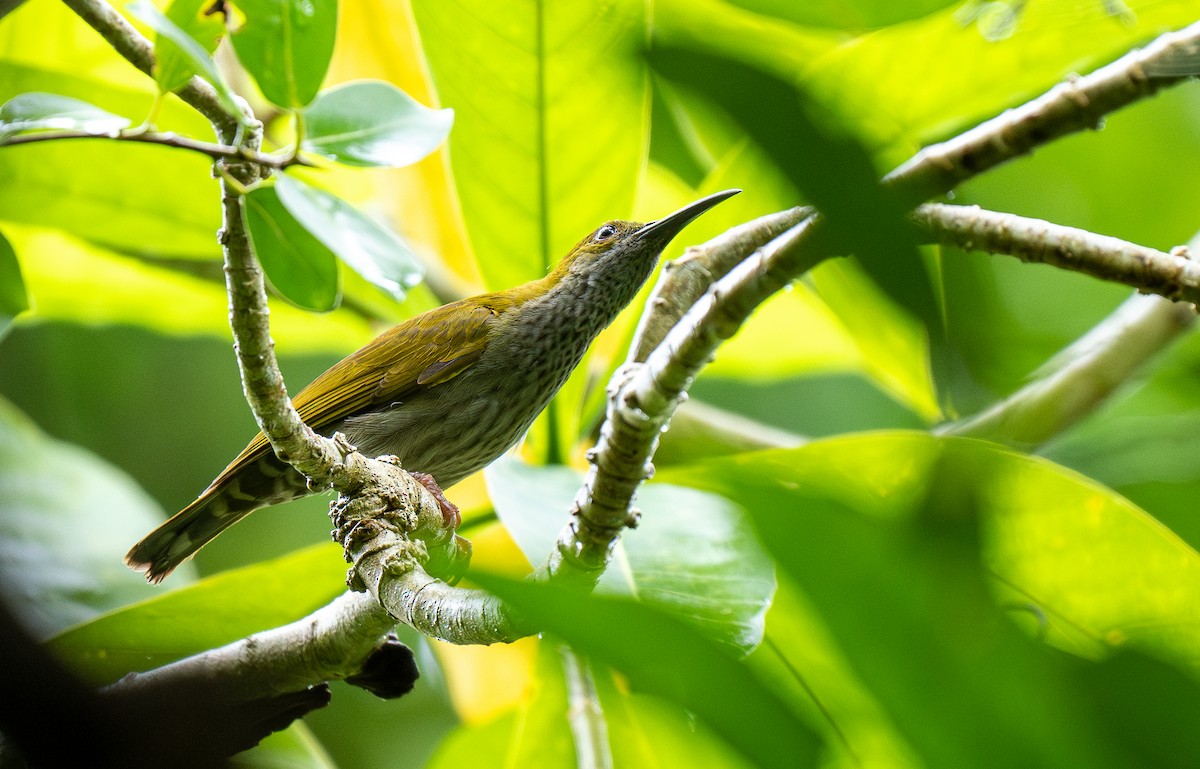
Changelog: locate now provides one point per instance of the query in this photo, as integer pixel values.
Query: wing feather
(417, 354)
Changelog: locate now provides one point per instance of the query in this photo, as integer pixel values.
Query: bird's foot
(450, 515)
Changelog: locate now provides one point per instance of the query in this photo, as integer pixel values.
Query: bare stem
(212, 150)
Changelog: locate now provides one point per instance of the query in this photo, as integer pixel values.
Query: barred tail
(230, 499)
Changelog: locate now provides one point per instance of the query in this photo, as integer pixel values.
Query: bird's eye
(604, 233)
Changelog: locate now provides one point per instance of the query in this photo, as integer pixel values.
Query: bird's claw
(451, 518)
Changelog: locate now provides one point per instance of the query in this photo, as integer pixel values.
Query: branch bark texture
(1172, 275)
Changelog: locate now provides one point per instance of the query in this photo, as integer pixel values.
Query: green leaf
(66, 518)
(286, 45)
(551, 122)
(373, 123)
(88, 285)
(868, 80)
(691, 554)
(13, 297)
(880, 532)
(50, 111)
(298, 265)
(111, 193)
(839, 14)
(664, 656)
(173, 67)
(204, 615)
(195, 54)
(375, 253)
(292, 748)
(531, 735)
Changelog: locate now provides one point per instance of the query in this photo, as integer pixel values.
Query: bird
(447, 392)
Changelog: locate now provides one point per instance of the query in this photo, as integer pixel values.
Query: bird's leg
(450, 514)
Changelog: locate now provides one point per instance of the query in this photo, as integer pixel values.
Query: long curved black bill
(669, 226)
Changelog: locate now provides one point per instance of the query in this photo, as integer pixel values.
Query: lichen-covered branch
(1173, 275)
(388, 566)
(379, 486)
(1083, 376)
(1078, 104)
(330, 644)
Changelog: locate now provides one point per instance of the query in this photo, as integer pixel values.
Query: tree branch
(642, 398)
(1172, 275)
(330, 644)
(1078, 104)
(1083, 376)
(684, 280)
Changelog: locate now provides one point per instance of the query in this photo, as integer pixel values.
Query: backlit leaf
(373, 123)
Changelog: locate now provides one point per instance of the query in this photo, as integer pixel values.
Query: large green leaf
(74, 281)
(691, 553)
(373, 123)
(204, 615)
(374, 252)
(111, 193)
(50, 111)
(13, 298)
(968, 77)
(550, 133)
(877, 530)
(1102, 572)
(858, 14)
(299, 266)
(286, 45)
(664, 656)
(66, 518)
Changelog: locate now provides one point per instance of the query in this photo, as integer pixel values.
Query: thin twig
(584, 713)
(212, 150)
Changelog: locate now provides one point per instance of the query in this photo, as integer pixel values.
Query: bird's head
(620, 247)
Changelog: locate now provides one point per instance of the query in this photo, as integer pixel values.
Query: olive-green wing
(420, 353)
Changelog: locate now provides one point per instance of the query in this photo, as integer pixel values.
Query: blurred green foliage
(938, 602)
